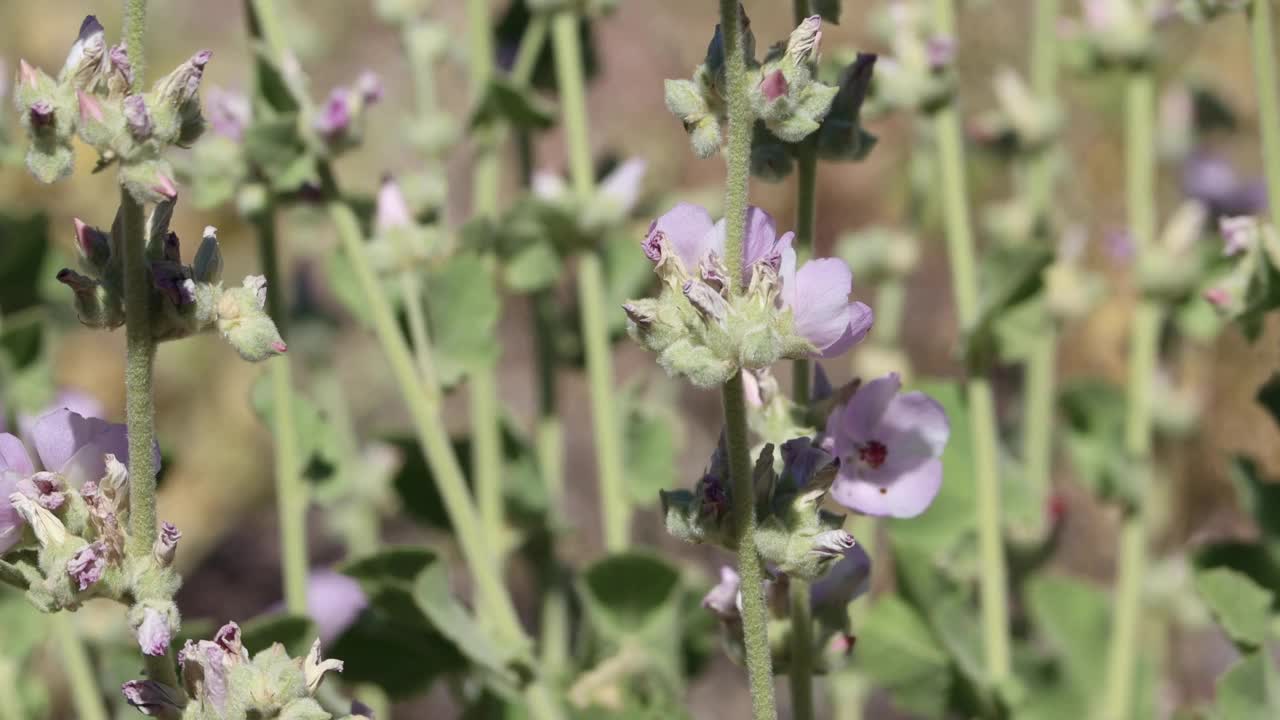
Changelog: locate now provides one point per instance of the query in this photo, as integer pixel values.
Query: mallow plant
(889, 536)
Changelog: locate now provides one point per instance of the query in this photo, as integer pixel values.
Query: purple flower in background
(335, 117)
(392, 209)
(1213, 181)
(817, 293)
(152, 698)
(722, 600)
(334, 601)
(889, 446)
(229, 113)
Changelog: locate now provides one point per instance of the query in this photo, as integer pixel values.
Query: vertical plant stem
(1144, 338)
(806, 217)
(615, 508)
(981, 405)
(891, 297)
(486, 432)
(1262, 36)
(85, 695)
(416, 318)
(750, 567)
(11, 705)
(801, 667)
(1041, 388)
(291, 493)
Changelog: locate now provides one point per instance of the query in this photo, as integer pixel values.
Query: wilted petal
(166, 544)
(760, 243)
(13, 455)
(88, 564)
(11, 522)
(314, 668)
(48, 528)
(908, 495)
(154, 633)
(833, 543)
(45, 488)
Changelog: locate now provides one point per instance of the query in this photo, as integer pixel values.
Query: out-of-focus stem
(615, 507)
(1264, 69)
(891, 297)
(982, 419)
(10, 697)
(1144, 338)
(291, 492)
(801, 668)
(755, 620)
(85, 695)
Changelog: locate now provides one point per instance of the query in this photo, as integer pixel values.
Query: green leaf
(1239, 604)
(1269, 396)
(1254, 560)
(506, 103)
(24, 241)
(1009, 276)
(1256, 495)
(634, 594)
(274, 145)
(1250, 689)
(463, 307)
(1093, 415)
(904, 658)
(651, 445)
(295, 632)
(319, 447)
(435, 600)
(398, 565)
(1074, 617)
(535, 266)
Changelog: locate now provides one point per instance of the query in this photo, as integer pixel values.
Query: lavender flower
(722, 600)
(889, 447)
(88, 564)
(229, 113)
(392, 208)
(1213, 181)
(335, 117)
(847, 580)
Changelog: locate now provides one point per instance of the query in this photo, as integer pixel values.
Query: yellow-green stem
(981, 402)
(1144, 338)
(85, 695)
(11, 704)
(1261, 32)
(800, 671)
(614, 506)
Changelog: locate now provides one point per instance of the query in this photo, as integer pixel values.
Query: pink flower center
(873, 454)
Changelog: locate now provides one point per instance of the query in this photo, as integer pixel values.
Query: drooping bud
(88, 564)
(41, 114)
(805, 41)
(85, 61)
(153, 699)
(93, 244)
(314, 668)
(115, 484)
(48, 529)
(166, 545)
(207, 267)
(137, 117)
(182, 86)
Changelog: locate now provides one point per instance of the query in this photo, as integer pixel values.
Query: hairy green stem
(981, 402)
(755, 621)
(85, 695)
(1041, 388)
(614, 505)
(135, 31)
(1264, 70)
(139, 362)
(13, 576)
(291, 491)
(1144, 338)
(801, 667)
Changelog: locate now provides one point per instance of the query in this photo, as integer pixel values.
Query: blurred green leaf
(1256, 561)
(632, 595)
(1269, 396)
(1074, 617)
(506, 103)
(1093, 415)
(1256, 495)
(24, 241)
(435, 599)
(391, 566)
(1238, 603)
(535, 266)
(1250, 689)
(319, 448)
(295, 632)
(463, 308)
(650, 445)
(904, 658)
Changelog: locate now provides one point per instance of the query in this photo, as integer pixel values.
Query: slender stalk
(982, 419)
(291, 492)
(891, 297)
(1264, 68)
(755, 620)
(531, 45)
(549, 434)
(135, 31)
(411, 291)
(139, 362)
(486, 432)
(1041, 388)
(1144, 338)
(615, 507)
(801, 667)
(11, 705)
(85, 695)
(806, 217)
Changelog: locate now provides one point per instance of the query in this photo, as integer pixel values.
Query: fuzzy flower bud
(207, 267)
(166, 545)
(154, 625)
(153, 699)
(93, 244)
(48, 528)
(88, 564)
(805, 40)
(832, 543)
(85, 61)
(137, 117)
(243, 322)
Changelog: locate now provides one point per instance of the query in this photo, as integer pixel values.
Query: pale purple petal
(154, 634)
(73, 445)
(13, 456)
(11, 523)
(334, 601)
(392, 209)
(152, 698)
(77, 401)
(687, 230)
(914, 425)
(821, 301)
(759, 241)
(722, 600)
(547, 185)
(907, 496)
(861, 318)
(863, 413)
(88, 564)
(624, 184)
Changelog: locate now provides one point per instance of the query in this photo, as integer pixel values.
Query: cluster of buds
(185, 299)
(829, 599)
(222, 682)
(1021, 123)
(1251, 283)
(917, 76)
(339, 122)
(94, 98)
(702, 330)
(788, 101)
(68, 503)
(1116, 33)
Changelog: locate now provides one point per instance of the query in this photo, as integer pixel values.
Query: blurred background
(217, 483)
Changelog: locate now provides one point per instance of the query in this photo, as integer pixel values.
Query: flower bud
(153, 699)
(314, 668)
(171, 279)
(805, 40)
(723, 600)
(207, 267)
(93, 244)
(710, 304)
(166, 545)
(244, 324)
(773, 85)
(88, 564)
(154, 624)
(832, 543)
(85, 61)
(149, 182)
(137, 118)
